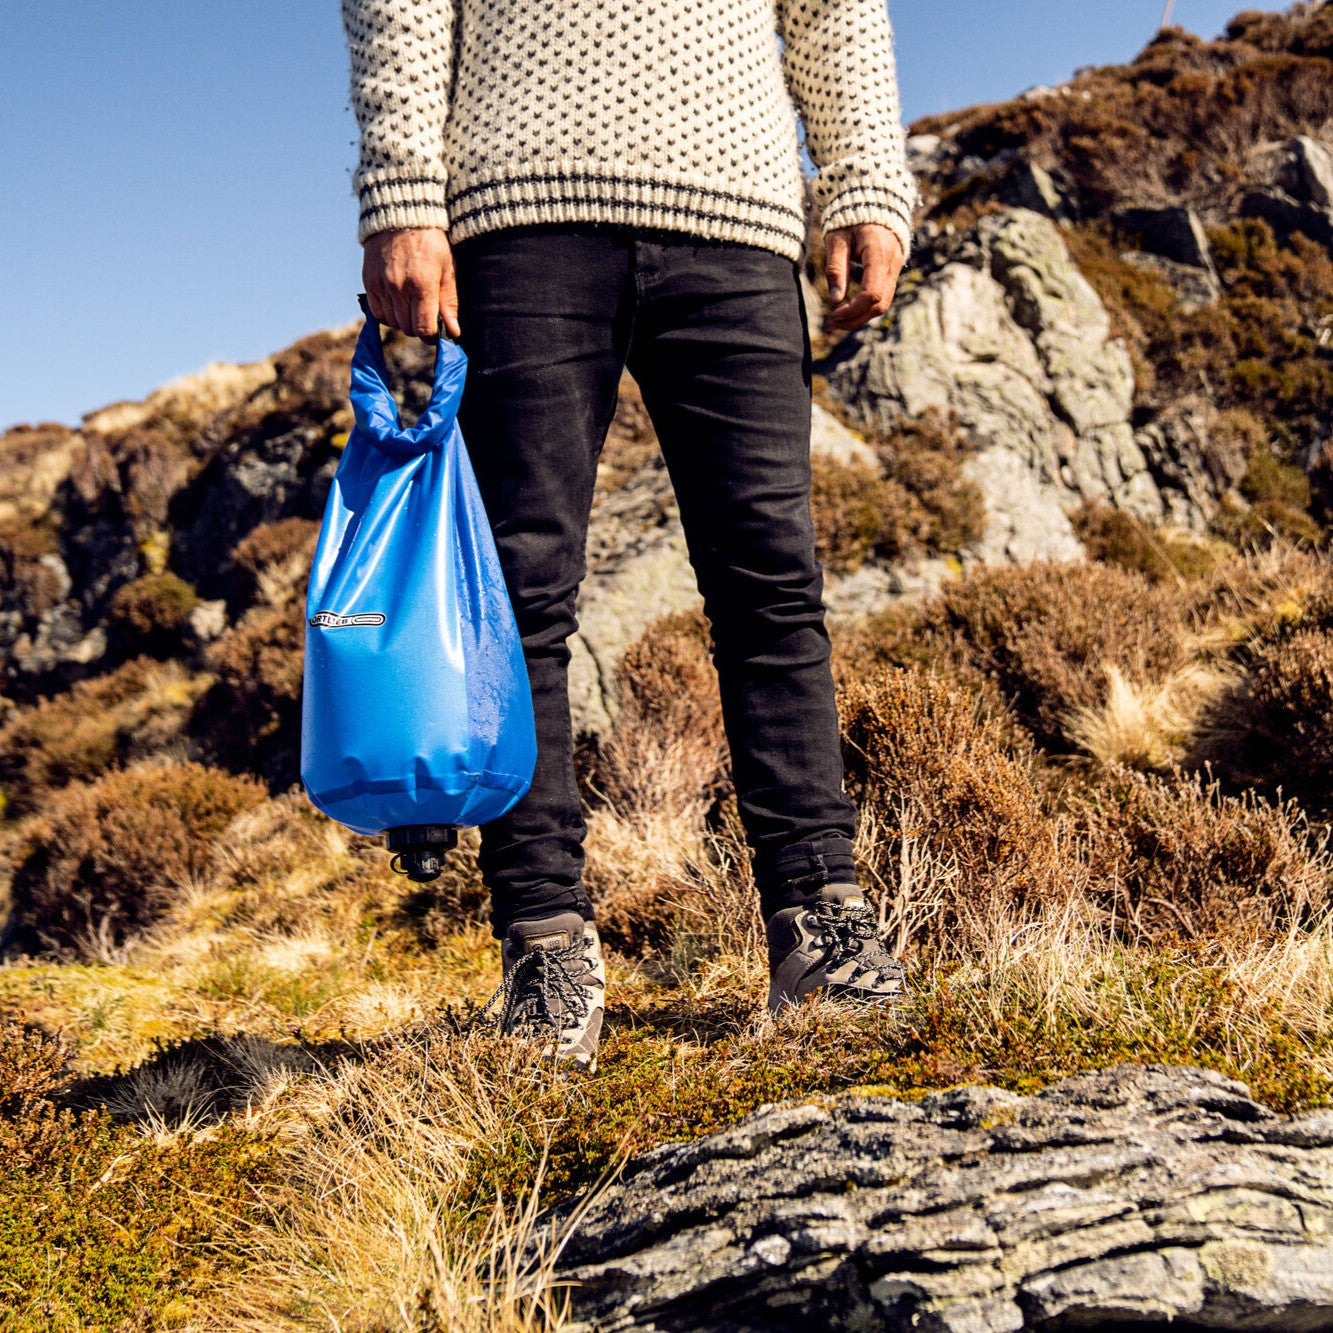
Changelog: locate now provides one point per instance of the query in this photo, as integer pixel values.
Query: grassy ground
(242, 1086)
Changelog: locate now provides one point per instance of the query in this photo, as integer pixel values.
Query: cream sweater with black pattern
(677, 114)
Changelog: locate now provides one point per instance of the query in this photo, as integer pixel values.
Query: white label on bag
(332, 620)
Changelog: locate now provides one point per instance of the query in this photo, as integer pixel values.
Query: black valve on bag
(419, 849)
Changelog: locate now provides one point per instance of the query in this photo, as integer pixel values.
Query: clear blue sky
(175, 174)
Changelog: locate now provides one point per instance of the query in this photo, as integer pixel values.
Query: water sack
(417, 708)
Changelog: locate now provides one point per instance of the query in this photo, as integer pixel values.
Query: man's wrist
(402, 203)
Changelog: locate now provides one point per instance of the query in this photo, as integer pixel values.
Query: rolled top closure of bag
(374, 407)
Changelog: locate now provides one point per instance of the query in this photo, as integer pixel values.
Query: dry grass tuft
(1150, 726)
(402, 1132)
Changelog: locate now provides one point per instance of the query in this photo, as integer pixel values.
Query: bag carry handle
(374, 406)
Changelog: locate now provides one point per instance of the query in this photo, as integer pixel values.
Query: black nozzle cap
(419, 849)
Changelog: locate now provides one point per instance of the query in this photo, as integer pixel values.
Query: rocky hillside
(1124, 289)
(1072, 495)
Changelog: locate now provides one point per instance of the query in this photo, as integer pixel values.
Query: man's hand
(409, 280)
(880, 254)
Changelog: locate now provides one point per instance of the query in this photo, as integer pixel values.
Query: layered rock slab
(1139, 1196)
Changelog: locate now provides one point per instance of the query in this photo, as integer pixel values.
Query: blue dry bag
(417, 711)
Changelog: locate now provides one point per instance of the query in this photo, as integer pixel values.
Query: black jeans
(714, 333)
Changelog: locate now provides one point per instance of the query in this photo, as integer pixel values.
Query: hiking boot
(831, 948)
(553, 987)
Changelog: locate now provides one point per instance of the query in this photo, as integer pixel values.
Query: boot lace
(542, 991)
(849, 932)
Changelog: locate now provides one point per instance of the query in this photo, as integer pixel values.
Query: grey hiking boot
(553, 987)
(831, 947)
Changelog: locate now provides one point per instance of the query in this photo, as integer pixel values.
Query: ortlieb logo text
(332, 620)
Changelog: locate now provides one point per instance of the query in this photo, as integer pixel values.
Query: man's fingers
(852, 314)
(836, 263)
(370, 282)
(880, 255)
(398, 317)
(423, 310)
(449, 302)
(378, 309)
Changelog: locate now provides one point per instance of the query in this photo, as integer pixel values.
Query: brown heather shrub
(930, 776)
(1176, 858)
(251, 719)
(1290, 688)
(924, 455)
(1047, 634)
(107, 860)
(666, 749)
(1278, 499)
(919, 501)
(1174, 123)
(277, 557)
(33, 1065)
(859, 514)
(1118, 538)
(1255, 353)
(1264, 596)
(154, 610)
(1273, 730)
(27, 582)
(260, 661)
(153, 465)
(137, 710)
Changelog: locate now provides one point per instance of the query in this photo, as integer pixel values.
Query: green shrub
(99, 1226)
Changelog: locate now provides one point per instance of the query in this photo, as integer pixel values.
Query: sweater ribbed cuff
(855, 208)
(391, 205)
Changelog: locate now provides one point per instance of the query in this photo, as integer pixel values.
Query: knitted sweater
(676, 114)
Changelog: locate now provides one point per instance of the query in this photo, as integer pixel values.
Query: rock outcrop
(1005, 333)
(1140, 1196)
(1297, 194)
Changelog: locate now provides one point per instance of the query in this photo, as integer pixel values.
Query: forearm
(839, 65)
(401, 54)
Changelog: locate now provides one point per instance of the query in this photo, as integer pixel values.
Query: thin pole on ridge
(1166, 15)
